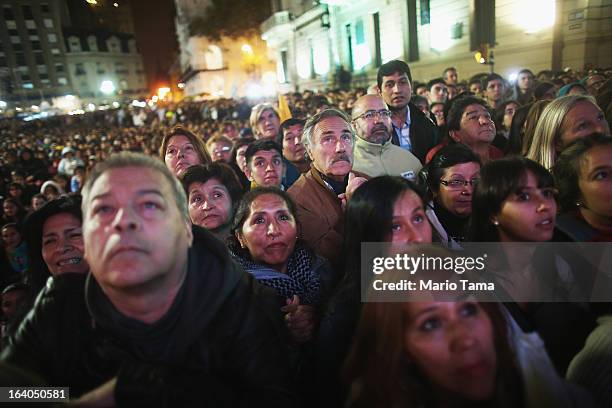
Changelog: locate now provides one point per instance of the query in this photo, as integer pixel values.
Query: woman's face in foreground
(452, 345)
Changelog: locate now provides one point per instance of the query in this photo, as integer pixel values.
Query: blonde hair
(256, 112)
(547, 133)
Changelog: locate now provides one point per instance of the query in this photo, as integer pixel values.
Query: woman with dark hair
(13, 257)
(181, 149)
(55, 240)
(264, 241)
(238, 160)
(450, 177)
(516, 133)
(13, 212)
(584, 176)
(427, 354)
(514, 201)
(524, 88)
(384, 209)
(213, 191)
(503, 121)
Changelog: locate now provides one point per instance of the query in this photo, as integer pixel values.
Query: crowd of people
(209, 253)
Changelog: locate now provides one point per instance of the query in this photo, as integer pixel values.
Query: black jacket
(217, 345)
(423, 133)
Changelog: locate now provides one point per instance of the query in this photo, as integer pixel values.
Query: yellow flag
(283, 108)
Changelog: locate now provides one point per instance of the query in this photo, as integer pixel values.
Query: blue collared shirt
(403, 133)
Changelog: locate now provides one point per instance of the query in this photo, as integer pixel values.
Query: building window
(52, 38)
(36, 45)
(62, 81)
(45, 8)
(92, 41)
(3, 62)
(25, 77)
(425, 12)
(43, 76)
(59, 67)
(30, 24)
(27, 12)
(361, 55)
(39, 58)
(79, 69)
(55, 51)
(15, 39)
(100, 69)
(48, 23)
(8, 14)
(20, 59)
(113, 44)
(120, 68)
(32, 31)
(11, 25)
(28, 85)
(74, 44)
(14, 32)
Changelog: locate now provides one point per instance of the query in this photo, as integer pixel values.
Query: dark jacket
(216, 346)
(423, 133)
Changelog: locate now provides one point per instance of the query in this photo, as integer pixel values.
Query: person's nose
(544, 204)
(208, 205)
(273, 229)
(125, 219)
(461, 337)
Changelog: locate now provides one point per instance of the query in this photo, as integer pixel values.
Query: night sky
(156, 38)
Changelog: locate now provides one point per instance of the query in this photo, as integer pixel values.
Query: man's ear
(247, 173)
(454, 134)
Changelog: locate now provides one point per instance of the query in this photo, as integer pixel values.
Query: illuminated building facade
(311, 43)
(220, 69)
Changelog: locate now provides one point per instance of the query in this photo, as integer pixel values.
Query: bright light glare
(533, 16)
(440, 33)
(139, 104)
(482, 60)
(154, 98)
(116, 4)
(181, 85)
(115, 104)
(512, 77)
(247, 49)
(92, 1)
(2, 104)
(91, 107)
(107, 87)
(162, 92)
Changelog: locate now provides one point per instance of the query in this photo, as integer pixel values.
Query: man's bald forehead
(367, 102)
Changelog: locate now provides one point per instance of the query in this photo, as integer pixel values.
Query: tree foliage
(231, 18)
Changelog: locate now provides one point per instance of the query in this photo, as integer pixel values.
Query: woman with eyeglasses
(450, 177)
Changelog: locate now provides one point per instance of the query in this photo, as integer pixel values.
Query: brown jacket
(320, 215)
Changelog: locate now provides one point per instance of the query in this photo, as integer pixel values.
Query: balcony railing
(276, 19)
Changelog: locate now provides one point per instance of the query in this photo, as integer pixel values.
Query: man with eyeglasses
(375, 155)
(412, 130)
(320, 194)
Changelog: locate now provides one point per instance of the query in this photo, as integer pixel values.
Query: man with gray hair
(321, 193)
(166, 318)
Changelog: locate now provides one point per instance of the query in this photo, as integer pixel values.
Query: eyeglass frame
(464, 183)
(382, 113)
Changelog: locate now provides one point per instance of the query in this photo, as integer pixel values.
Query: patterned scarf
(300, 278)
